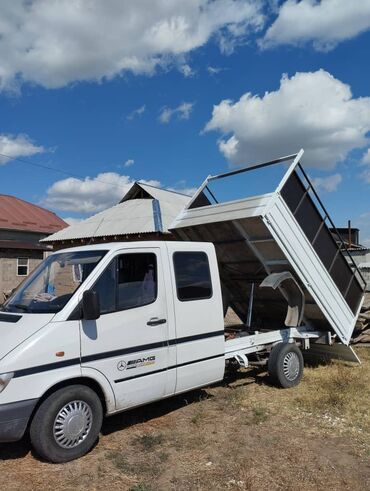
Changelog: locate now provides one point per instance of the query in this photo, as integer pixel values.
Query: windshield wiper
(20, 306)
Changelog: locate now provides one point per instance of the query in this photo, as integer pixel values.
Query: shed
(144, 213)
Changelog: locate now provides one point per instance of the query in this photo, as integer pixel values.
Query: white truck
(99, 329)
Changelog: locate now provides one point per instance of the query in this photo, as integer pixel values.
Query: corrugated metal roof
(133, 215)
(17, 214)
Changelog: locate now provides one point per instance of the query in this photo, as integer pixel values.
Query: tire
(285, 365)
(77, 428)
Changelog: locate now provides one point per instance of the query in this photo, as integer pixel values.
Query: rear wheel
(285, 365)
(67, 424)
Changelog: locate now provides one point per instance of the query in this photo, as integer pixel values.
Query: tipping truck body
(286, 229)
(99, 329)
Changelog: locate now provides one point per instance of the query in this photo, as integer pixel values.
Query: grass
(259, 414)
(120, 462)
(243, 436)
(141, 487)
(338, 390)
(198, 416)
(232, 396)
(149, 441)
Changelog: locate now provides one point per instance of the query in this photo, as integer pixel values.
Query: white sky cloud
(363, 223)
(181, 187)
(324, 23)
(182, 111)
(17, 146)
(129, 163)
(72, 220)
(186, 70)
(312, 110)
(56, 42)
(93, 194)
(136, 112)
(366, 161)
(328, 184)
(366, 157)
(214, 70)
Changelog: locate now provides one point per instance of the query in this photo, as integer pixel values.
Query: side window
(193, 277)
(106, 289)
(129, 281)
(137, 280)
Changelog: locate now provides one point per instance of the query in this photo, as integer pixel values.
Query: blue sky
(169, 92)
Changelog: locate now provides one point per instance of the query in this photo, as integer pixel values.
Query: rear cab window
(192, 276)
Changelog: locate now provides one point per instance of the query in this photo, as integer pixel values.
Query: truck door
(200, 343)
(128, 344)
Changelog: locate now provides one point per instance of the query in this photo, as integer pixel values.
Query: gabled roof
(140, 190)
(17, 214)
(143, 209)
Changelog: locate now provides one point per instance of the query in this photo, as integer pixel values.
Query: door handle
(154, 321)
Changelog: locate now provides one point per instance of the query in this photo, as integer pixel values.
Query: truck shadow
(157, 409)
(151, 411)
(147, 412)
(15, 450)
(252, 375)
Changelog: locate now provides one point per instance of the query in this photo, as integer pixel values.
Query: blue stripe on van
(111, 354)
(153, 372)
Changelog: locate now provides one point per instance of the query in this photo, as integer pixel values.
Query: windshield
(53, 283)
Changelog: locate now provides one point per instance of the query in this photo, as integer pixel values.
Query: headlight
(5, 378)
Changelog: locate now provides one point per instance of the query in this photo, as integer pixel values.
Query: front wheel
(285, 365)
(67, 424)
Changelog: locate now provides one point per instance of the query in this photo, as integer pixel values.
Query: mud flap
(292, 292)
(336, 351)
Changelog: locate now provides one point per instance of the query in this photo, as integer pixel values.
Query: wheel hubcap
(291, 366)
(72, 424)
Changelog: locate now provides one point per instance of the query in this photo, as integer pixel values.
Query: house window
(22, 266)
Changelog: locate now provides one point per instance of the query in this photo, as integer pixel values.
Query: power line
(47, 167)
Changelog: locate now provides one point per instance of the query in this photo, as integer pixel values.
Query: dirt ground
(243, 434)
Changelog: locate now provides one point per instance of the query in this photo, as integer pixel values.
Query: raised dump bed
(282, 230)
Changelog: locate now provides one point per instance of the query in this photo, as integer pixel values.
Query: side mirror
(90, 305)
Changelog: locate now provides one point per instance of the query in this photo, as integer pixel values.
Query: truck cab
(128, 322)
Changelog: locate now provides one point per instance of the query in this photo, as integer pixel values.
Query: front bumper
(14, 418)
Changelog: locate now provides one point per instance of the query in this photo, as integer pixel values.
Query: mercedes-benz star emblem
(121, 365)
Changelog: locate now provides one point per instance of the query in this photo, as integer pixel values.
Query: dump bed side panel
(310, 269)
(301, 205)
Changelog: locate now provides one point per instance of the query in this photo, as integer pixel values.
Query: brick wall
(8, 267)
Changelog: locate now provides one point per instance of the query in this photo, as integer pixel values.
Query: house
(144, 213)
(22, 225)
(349, 238)
(362, 259)
(348, 235)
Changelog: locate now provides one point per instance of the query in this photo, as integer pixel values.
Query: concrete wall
(363, 257)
